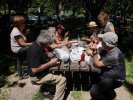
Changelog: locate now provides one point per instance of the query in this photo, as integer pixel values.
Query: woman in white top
(18, 40)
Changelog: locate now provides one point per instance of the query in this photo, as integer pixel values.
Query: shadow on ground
(129, 86)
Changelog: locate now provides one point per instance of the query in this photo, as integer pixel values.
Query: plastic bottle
(78, 38)
(82, 57)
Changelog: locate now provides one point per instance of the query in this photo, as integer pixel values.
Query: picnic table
(70, 66)
(73, 65)
(77, 76)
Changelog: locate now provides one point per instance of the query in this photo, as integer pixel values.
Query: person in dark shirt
(39, 63)
(112, 66)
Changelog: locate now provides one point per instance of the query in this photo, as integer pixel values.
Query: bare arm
(22, 42)
(97, 62)
(57, 40)
(96, 57)
(42, 67)
(86, 39)
(111, 29)
(54, 45)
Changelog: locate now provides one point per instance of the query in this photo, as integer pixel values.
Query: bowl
(83, 64)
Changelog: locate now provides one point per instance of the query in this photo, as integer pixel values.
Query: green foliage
(6, 68)
(2, 80)
(3, 12)
(119, 7)
(77, 95)
(38, 96)
(6, 65)
(2, 96)
(78, 7)
(129, 70)
(52, 7)
(47, 7)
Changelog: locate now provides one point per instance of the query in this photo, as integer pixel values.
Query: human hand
(65, 42)
(66, 33)
(83, 38)
(89, 51)
(95, 40)
(93, 46)
(66, 39)
(53, 61)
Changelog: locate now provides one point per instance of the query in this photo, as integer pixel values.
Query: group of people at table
(111, 62)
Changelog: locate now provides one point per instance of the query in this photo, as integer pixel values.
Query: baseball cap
(92, 24)
(110, 38)
(60, 26)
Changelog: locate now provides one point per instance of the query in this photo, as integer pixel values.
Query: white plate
(74, 43)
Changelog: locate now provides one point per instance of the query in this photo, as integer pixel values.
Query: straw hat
(92, 24)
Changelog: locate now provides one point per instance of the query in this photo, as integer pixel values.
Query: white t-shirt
(14, 44)
(99, 47)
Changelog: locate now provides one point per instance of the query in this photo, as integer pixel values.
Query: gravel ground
(24, 90)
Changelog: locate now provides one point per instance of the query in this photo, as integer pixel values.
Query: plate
(74, 43)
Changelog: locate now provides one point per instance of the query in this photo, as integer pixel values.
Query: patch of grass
(129, 71)
(129, 75)
(38, 96)
(77, 95)
(6, 68)
(2, 80)
(2, 96)
(6, 65)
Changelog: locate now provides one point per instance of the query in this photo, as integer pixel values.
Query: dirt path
(24, 90)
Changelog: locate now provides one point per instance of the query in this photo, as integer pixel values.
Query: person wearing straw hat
(93, 29)
(92, 24)
(93, 40)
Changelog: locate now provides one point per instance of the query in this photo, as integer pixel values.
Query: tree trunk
(57, 10)
(94, 7)
(74, 9)
(60, 10)
(5, 8)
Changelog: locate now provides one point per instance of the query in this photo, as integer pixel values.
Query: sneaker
(20, 77)
(23, 77)
(111, 95)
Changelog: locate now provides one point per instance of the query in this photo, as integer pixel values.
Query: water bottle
(66, 60)
(79, 41)
(78, 38)
(82, 57)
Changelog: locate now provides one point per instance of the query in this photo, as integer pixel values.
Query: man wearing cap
(39, 63)
(112, 66)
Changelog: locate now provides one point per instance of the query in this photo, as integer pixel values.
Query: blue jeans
(104, 89)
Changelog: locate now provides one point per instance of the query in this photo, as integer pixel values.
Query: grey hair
(52, 31)
(45, 37)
